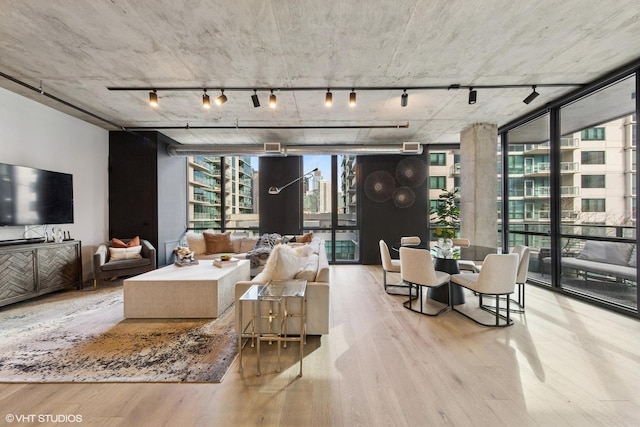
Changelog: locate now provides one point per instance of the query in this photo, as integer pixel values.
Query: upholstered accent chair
(389, 266)
(106, 267)
(496, 278)
(416, 269)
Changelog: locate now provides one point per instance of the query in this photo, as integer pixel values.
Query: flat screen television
(31, 196)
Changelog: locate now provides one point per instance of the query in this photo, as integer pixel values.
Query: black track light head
(473, 96)
(352, 98)
(533, 95)
(272, 100)
(328, 99)
(222, 98)
(206, 102)
(153, 98)
(254, 99)
(404, 99)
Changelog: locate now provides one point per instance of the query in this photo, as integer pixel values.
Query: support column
(478, 182)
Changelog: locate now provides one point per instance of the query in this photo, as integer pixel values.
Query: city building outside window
(593, 181)
(593, 134)
(592, 157)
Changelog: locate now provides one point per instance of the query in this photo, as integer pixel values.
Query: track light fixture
(328, 98)
(404, 98)
(153, 98)
(206, 103)
(352, 98)
(222, 98)
(254, 98)
(272, 100)
(533, 95)
(473, 96)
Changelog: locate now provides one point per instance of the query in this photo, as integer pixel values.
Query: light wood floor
(564, 363)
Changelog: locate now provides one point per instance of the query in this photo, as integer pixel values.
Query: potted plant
(446, 216)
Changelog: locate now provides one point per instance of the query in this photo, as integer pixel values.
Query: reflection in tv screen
(31, 196)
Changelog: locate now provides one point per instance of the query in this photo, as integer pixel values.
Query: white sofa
(317, 272)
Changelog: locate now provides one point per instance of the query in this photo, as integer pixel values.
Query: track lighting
(272, 100)
(533, 95)
(352, 98)
(404, 99)
(473, 96)
(206, 103)
(328, 99)
(254, 98)
(222, 98)
(153, 99)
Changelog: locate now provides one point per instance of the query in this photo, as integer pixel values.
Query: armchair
(104, 268)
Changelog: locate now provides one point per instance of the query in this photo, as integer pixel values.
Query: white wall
(35, 135)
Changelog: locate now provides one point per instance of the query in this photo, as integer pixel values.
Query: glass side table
(277, 293)
(248, 331)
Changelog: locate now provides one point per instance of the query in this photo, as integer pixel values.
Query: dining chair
(410, 240)
(416, 269)
(496, 278)
(523, 271)
(464, 264)
(389, 266)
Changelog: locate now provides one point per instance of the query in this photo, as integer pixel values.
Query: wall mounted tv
(31, 196)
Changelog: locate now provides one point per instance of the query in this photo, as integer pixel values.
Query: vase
(445, 248)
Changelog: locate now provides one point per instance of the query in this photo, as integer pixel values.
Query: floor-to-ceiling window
(598, 189)
(571, 192)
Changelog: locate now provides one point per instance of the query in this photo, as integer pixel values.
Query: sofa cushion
(125, 264)
(218, 242)
(117, 243)
(607, 252)
(195, 242)
(117, 254)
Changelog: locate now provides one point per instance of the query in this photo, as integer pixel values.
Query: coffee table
(190, 292)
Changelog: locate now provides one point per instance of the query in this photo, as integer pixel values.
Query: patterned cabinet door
(18, 274)
(57, 266)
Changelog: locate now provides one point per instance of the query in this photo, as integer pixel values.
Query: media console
(33, 269)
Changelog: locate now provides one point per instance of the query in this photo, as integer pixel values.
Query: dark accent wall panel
(280, 213)
(147, 190)
(390, 219)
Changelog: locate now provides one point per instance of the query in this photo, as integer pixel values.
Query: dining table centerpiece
(445, 215)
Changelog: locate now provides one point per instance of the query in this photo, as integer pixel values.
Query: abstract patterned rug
(81, 336)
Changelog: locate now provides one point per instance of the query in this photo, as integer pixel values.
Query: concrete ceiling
(76, 50)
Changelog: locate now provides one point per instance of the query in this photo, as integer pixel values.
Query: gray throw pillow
(608, 252)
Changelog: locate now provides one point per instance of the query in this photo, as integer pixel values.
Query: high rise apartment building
(206, 178)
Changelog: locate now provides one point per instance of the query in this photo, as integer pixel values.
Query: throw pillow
(195, 242)
(305, 238)
(117, 254)
(247, 244)
(284, 263)
(310, 269)
(117, 243)
(218, 242)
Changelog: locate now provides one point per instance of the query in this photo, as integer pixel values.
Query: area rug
(81, 336)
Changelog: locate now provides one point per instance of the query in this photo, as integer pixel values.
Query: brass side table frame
(277, 293)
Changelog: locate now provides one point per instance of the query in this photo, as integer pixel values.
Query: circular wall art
(411, 172)
(404, 197)
(379, 186)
